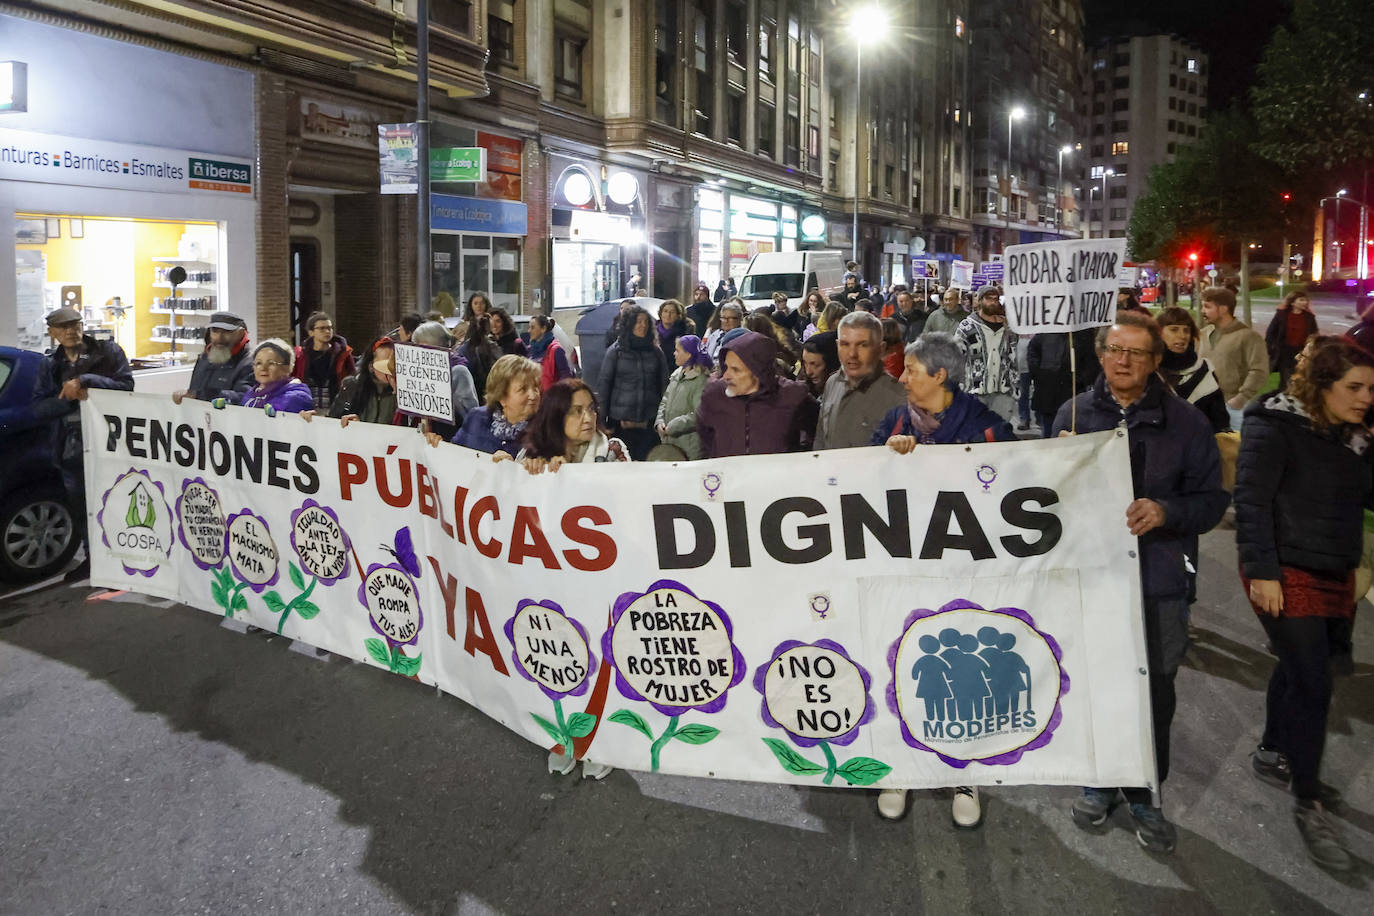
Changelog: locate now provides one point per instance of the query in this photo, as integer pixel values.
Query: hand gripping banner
(964, 615)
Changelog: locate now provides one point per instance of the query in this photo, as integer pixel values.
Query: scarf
(540, 346)
(1348, 434)
(503, 429)
(923, 422)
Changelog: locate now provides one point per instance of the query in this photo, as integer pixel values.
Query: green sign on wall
(460, 163)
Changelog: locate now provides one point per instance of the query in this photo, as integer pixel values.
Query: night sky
(1232, 32)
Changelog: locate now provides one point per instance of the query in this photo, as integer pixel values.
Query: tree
(1314, 98)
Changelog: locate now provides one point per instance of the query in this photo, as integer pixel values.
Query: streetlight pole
(424, 261)
(862, 23)
(1059, 188)
(1015, 113)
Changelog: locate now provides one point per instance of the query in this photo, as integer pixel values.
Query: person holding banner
(277, 391)
(564, 431)
(1302, 480)
(1176, 472)
(226, 366)
(858, 396)
(512, 398)
(991, 373)
(750, 410)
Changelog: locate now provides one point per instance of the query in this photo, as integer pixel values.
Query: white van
(792, 272)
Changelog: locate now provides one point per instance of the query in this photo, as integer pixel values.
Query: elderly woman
(276, 388)
(1292, 324)
(937, 411)
(512, 398)
(633, 376)
(677, 412)
(729, 316)
(1302, 479)
(564, 431)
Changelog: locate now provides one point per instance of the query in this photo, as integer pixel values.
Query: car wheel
(37, 535)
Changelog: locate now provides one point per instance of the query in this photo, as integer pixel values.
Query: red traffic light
(1192, 256)
(1287, 197)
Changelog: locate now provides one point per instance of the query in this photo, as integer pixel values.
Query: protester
(478, 304)
(479, 351)
(1023, 406)
(729, 316)
(820, 360)
(1293, 323)
(564, 431)
(1176, 473)
(676, 421)
(1189, 375)
(462, 386)
(947, 318)
(1052, 372)
(894, 345)
(1236, 353)
(370, 394)
(512, 396)
(278, 388)
(1302, 480)
(935, 411)
(633, 376)
(788, 358)
(991, 373)
(505, 335)
(545, 350)
(786, 318)
(858, 396)
(1127, 301)
(750, 410)
(852, 292)
(829, 322)
(627, 307)
(325, 361)
(720, 294)
(909, 318)
(409, 323)
(226, 367)
(672, 324)
(809, 312)
(78, 363)
(700, 310)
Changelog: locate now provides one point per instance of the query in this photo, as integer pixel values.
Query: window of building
(1121, 104)
(1120, 127)
(1100, 64)
(1098, 171)
(1121, 59)
(1117, 234)
(1202, 112)
(1099, 108)
(1098, 150)
(768, 27)
(1192, 130)
(1120, 169)
(957, 196)
(813, 146)
(501, 31)
(1118, 213)
(793, 50)
(736, 31)
(734, 117)
(832, 174)
(1172, 148)
(452, 14)
(1192, 65)
(1095, 216)
(1121, 148)
(665, 63)
(1173, 103)
(1100, 86)
(1099, 129)
(567, 78)
(1118, 191)
(1173, 80)
(1173, 58)
(1121, 82)
(767, 116)
(1192, 87)
(791, 140)
(1192, 108)
(703, 50)
(889, 180)
(1172, 125)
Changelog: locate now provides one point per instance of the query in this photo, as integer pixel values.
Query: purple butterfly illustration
(405, 552)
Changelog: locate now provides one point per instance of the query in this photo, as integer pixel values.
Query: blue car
(37, 533)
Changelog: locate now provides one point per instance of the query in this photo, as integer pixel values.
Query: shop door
(607, 280)
(305, 283)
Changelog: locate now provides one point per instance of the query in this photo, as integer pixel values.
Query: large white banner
(965, 615)
(1062, 286)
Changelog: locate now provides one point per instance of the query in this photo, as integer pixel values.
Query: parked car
(37, 533)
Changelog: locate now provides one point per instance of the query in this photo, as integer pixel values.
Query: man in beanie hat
(225, 369)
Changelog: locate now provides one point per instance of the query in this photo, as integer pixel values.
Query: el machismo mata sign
(809, 619)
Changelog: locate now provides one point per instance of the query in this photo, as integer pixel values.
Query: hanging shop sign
(55, 159)
(396, 158)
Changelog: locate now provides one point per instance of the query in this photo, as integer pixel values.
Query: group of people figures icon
(962, 677)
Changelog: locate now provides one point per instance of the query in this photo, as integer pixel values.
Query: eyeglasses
(267, 364)
(1131, 353)
(731, 318)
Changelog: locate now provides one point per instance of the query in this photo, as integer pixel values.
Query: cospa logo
(214, 175)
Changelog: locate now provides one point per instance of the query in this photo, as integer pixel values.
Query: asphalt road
(154, 760)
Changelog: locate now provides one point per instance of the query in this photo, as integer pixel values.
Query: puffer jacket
(1174, 461)
(632, 381)
(779, 417)
(965, 420)
(678, 411)
(990, 353)
(209, 381)
(1299, 492)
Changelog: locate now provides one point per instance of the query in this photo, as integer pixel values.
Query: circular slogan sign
(252, 552)
(393, 604)
(814, 693)
(201, 521)
(976, 684)
(319, 542)
(549, 648)
(674, 650)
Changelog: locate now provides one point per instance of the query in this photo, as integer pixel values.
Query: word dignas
(800, 529)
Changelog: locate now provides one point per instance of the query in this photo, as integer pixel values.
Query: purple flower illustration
(579, 688)
(146, 520)
(819, 669)
(313, 559)
(260, 551)
(212, 504)
(387, 651)
(1005, 757)
(391, 638)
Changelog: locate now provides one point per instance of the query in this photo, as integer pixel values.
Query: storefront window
(466, 264)
(119, 274)
(584, 273)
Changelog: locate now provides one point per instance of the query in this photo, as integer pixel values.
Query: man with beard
(225, 369)
(991, 374)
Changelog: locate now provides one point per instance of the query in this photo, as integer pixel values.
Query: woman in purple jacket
(276, 389)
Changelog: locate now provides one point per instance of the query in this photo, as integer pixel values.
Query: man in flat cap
(225, 369)
(76, 364)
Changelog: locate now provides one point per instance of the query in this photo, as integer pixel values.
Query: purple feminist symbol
(986, 475)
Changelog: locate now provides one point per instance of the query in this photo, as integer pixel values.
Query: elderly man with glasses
(1176, 475)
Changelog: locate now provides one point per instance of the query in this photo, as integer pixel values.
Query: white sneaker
(967, 812)
(591, 770)
(562, 764)
(892, 803)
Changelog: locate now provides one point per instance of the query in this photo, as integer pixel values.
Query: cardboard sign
(1054, 287)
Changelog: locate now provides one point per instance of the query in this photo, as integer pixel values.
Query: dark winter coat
(779, 417)
(1174, 461)
(486, 430)
(209, 381)
(700, 315)
(1299, 492)
(341, 362)
(965, 420)
(912, 323)
(1282, 357)
(1047, 359)
(667, 341)
(633, 376)
(103, 365)
(511, 345)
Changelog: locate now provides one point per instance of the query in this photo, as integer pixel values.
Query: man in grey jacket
(857, 397)
(225, 369)
(946, 319)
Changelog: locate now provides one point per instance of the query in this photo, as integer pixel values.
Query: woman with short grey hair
(434, 334)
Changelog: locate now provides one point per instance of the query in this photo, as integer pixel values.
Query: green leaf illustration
(407, 665)
(306, 609)
(580, 724)
(695, 734)
(549, 727)
(791, 761)
(377, 649)
(225, 580)
(632, 719)
(863, 771)
(219, 593)
(296, 578)
(240, 602)
(274, 602)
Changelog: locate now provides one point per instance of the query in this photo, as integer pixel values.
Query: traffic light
(1286, 197)
(1192, 256)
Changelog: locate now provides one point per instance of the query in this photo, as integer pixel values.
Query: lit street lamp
(1015, 113)
(862, 24)
(1059, 186)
